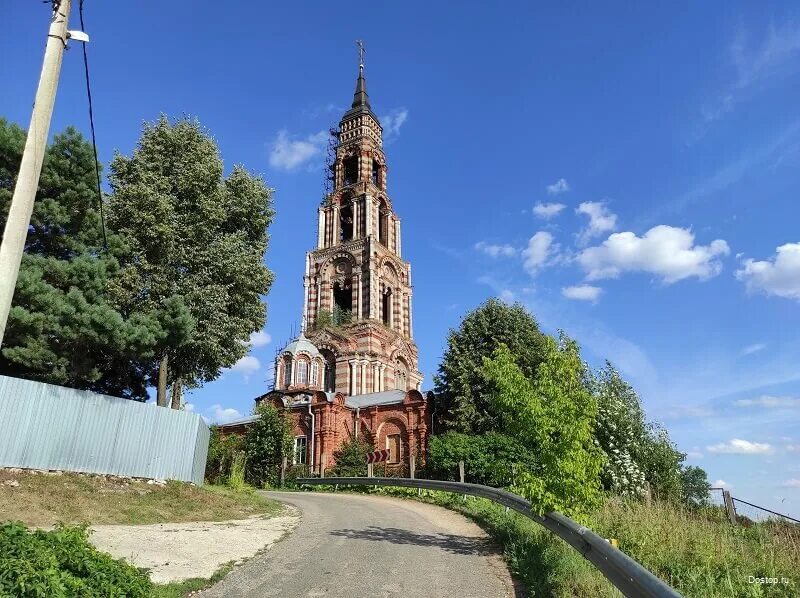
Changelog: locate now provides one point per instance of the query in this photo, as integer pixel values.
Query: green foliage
(62, 563)
(552, 415)
(63, 328)
(661, 462)
(462, 394)
(267, 441)
(621, 432)
(695, 486)
(191, 235)
(221, 452)
(324, 319)
(492, 459)
(351, 457)
(341, 317)
(236, 479)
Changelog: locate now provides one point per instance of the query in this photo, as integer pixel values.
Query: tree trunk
(161, 393)
(176, 393)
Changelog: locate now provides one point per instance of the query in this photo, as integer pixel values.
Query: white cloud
(776, 51)
(540, 249)
(721, 484)
(496, 250)
(792, 448)
(754, 348)
(260, 338)
(247, 365)
(737, 446)
(688, 412)
(222, 415)
(548, 210)
(507, 295)
(601, 220)
(665, 251)
(779, 275)
(288, 154)
(392, 122)
(793, 483)
(583, 292)
(694, 454)
(188, 407)
(560, 186)
(769, 402)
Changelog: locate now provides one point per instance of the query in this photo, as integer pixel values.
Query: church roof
(385, 397)
(301, 343)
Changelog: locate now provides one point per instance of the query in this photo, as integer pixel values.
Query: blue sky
(629, 173)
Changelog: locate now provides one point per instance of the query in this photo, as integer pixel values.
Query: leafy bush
(267, 441)
(491, 459)
(351, 458)
(62, 562)
(222, 451)
(553, 416)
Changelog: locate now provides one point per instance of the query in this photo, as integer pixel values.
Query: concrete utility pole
(19, 214)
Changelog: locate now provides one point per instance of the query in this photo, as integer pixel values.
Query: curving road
(354, 545)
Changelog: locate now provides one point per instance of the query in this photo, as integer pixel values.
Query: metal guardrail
(626, 574)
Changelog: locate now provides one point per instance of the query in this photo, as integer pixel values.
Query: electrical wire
(91, 124)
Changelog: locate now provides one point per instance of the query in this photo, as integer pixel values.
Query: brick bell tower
(357, 296)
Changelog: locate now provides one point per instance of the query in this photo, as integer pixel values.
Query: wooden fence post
(412, 466)
(322, 467)
(730, 508)
(283, 472)
(369, 470)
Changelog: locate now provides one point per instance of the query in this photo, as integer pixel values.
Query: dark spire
(360, 97)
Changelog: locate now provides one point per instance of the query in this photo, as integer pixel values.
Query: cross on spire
(361, 51)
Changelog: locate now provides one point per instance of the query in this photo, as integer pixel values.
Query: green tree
(351, 457)
(661, 462)
(267, 441)
(492, 459)
(62, 328)
(196, 238)
(462, 403)
(696, 489)
(553, 416)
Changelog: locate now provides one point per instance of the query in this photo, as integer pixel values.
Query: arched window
(383, 227)
(314, 374)
(386, 307)
(329, 381)
(376, 173)
(346, 222)
(342, 303)
(350, 170)
(302, 372)
(287, 372)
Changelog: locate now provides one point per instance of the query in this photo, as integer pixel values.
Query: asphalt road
(355, 545)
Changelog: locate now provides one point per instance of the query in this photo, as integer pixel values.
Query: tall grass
(696, 551)
(236, 477)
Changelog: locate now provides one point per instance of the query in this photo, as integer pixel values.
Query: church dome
(302, 345)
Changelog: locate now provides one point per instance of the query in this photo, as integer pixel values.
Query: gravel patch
(179, 551)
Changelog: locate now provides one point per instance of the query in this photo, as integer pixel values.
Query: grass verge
(697, 552)
(178, 589)
(42, 500)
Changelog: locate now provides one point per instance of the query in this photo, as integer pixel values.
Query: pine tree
(62, 329)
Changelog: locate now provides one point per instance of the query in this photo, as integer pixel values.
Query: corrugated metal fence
(43, 426)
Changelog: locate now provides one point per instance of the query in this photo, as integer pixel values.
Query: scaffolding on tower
(329, 172)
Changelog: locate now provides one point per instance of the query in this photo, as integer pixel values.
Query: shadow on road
(449, 542)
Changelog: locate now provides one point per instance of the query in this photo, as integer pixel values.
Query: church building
(353, 371)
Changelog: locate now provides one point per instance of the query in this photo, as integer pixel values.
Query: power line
(91, 125)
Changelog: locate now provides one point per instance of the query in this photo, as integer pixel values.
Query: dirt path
(178, 551)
